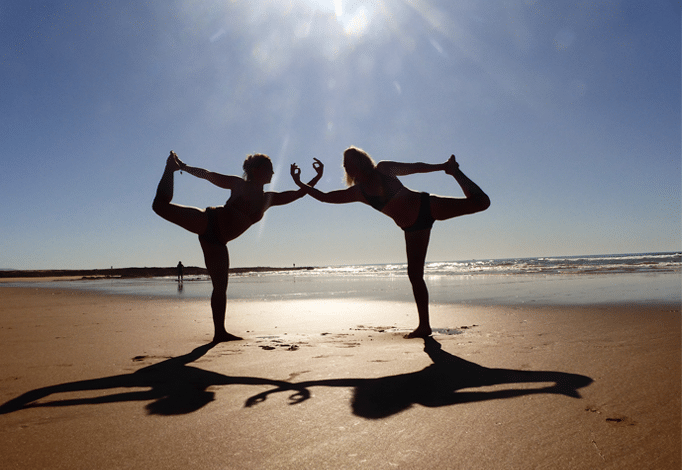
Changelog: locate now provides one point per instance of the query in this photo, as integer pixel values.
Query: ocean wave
(596, 264)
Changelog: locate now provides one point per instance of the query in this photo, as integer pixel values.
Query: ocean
(597, 264)
(594, 279)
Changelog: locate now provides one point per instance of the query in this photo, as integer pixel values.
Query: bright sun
(328, 5)
(354, 18)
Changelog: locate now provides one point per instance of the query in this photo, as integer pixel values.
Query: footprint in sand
(620, 421)
(287, 347)
(615, 420)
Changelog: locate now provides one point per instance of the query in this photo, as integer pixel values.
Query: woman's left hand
(296, 174)
(318, 166)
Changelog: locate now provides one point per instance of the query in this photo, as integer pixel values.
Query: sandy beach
(110, 381)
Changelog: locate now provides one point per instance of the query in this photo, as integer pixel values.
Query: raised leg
(189, 218)
(417, 244)
(218, 264)
(443, 208)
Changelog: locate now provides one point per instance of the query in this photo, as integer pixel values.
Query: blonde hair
(253, 162)
(363, 162)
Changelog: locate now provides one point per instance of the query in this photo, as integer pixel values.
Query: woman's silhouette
(414, 212)
(218, 225)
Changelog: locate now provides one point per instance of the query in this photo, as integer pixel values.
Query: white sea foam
(612, 264)
(575, 279)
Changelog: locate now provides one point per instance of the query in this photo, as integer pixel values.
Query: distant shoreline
(126, 273)
(656, 262)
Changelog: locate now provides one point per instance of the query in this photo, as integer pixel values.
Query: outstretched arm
(403, 169)
(342, 196)
(285, 197)
(222, 181)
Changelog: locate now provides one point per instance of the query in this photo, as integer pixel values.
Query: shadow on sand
(176, 388)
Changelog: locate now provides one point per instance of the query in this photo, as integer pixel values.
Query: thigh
(190, 218)
(417, 244)
(217, 262)
(444, 208)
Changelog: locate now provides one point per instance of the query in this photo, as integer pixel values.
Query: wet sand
(104, 381)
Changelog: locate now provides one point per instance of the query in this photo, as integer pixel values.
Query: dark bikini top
(389, 188)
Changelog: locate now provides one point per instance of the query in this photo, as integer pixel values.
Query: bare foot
(172, 162)
(225, 337)
(419, 333)
(451, 166)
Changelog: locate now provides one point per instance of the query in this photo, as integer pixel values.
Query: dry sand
(96, 381)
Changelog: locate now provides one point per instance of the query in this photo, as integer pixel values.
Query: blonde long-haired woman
(378, 186)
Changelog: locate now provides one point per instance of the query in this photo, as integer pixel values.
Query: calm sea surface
(649, 277)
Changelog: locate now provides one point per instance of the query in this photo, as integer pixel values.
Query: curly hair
(253, 162)
(362, 160)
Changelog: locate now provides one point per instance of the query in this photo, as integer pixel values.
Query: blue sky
(566, 113)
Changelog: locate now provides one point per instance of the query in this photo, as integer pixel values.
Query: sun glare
(354, 17)
(357, 23)
(325, 5)
(280, 32)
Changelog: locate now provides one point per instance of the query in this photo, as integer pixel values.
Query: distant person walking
(378, 186)
(180, 272)
(218, 225)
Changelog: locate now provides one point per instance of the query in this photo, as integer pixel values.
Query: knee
(219, 287)
(415, 275)
(218, 299)
(484, 203)
(158, 205)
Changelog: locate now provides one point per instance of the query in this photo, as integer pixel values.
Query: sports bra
(389, 189)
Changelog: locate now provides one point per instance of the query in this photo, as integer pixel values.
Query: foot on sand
(224, 337)
(419, 333)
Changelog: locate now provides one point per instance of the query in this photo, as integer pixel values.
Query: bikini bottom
(424, 218)
(212, 233)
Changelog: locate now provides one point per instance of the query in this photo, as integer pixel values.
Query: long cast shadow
(175, 388)
(440, 384)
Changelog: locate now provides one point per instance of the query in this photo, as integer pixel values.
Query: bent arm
(341, 196)
(344, 196)
(286, 197)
